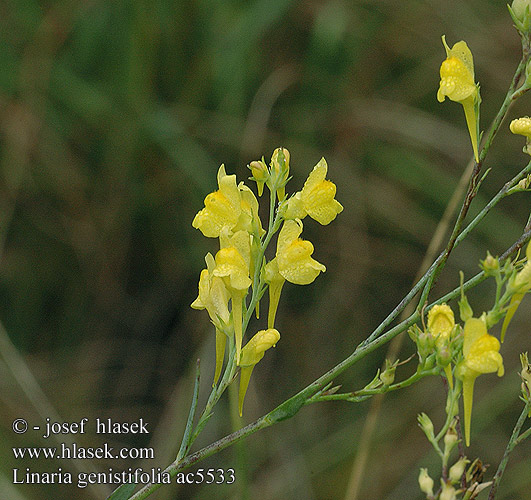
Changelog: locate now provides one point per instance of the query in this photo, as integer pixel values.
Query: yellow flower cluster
(231, 213)
(476, 351)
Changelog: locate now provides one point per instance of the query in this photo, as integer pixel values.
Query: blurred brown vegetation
(114, 118)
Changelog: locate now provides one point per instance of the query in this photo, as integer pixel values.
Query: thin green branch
(513, 441)
(365, 393)
(523, 436)
(186, 441)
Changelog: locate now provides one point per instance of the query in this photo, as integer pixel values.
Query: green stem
(523, 436)
(273, 227)
(513, 441)
(453, 399)
(351, 396)
(186, 442)
(216, 392)
(290, 407)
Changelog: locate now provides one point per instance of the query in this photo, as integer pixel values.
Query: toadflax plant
(452, 340)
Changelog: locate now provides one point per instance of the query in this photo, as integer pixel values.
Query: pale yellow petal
(320, 203)
(473, 330)
(222, 207)
(317, 175)
(295, 209)
(461, 51)
(441, 320)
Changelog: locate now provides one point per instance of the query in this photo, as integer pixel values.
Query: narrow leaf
(123, 492)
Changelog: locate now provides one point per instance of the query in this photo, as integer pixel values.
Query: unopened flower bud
(522, 126)
(260, 174)
(490, 264)
(388, 375)
(425, 345)
(425, 482)
(280, 159)
(456, 471)
(450, 440)
(520, 9)
(426, 425)
(444, 356)
(525, 183)
(414, 332)
(465, 311)
(447, 491)
(280, 171)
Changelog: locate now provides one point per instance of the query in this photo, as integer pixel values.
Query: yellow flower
(293, 263)
(251, 354)
(214, 297)
(232, 264)
(222, 207)
(316, 198)
(480, 355)
(522, 126)
(441, 322)
(457, 83)
(521, 284)
(294, 255)
(233, 207)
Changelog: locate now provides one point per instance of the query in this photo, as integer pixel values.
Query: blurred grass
(114, 117)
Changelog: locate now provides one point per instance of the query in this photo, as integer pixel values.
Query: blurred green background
(114, 118)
